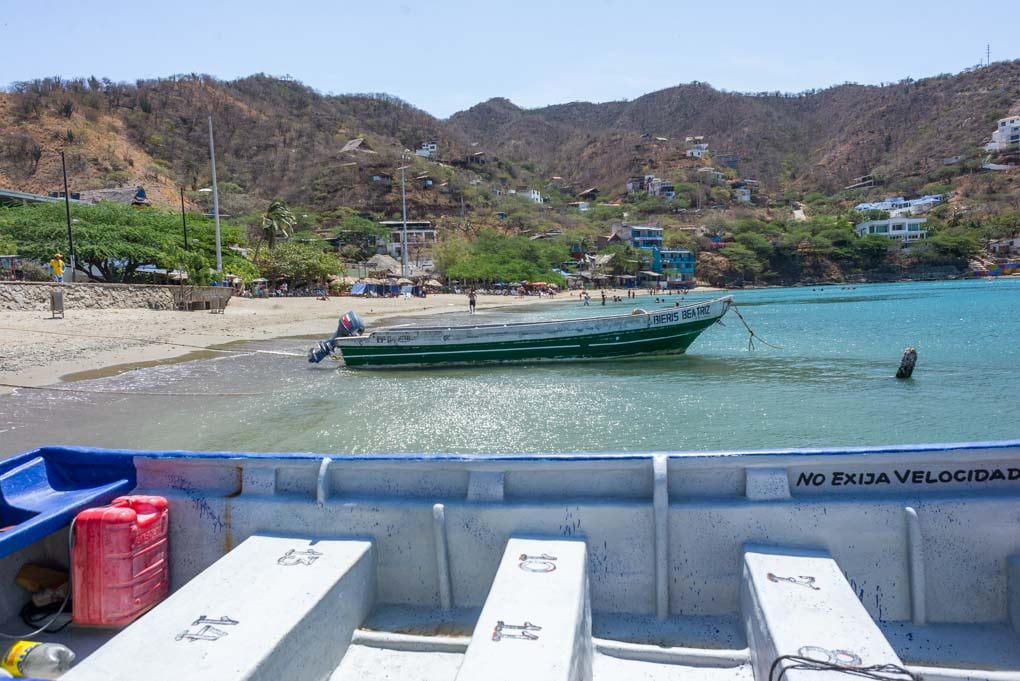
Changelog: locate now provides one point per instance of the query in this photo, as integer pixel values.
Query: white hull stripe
(462, 352)
(648, 340)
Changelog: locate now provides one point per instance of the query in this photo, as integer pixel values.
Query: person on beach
(603, 297)
(472, 299)
(57, 268)
(585, 299)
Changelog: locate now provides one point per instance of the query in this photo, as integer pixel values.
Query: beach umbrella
(404, 282)
(432, 283)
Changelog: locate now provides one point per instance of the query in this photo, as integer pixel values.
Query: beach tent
(359, 289)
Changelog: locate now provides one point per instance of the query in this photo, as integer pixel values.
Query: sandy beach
(37, 350)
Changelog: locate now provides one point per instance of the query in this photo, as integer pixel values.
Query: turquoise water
(829, 382)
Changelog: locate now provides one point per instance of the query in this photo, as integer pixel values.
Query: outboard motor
(350, 325)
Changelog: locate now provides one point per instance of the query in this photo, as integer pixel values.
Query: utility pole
(184, 221)
(67, 210)
(403, 202)
(988, 54)
(215, 198)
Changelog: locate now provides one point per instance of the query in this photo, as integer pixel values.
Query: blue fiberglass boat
(894, 563)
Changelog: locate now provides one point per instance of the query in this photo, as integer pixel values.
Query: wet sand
(36, 350)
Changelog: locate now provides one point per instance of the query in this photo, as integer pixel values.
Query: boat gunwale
(795, 456)
(628, 315)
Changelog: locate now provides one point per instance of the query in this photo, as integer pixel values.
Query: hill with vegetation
(336, 160)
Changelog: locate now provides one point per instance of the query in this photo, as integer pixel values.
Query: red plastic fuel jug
(119, 561)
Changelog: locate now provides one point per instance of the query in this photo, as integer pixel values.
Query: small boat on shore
(894, 563)
(662, 331)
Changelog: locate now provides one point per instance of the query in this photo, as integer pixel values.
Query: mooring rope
(751, 334)
(878, 672)
(156, 341)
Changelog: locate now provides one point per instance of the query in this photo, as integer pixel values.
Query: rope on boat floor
(751, 334)
(135, 393)
(156, 341)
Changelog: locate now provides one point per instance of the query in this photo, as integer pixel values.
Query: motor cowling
(350, 325)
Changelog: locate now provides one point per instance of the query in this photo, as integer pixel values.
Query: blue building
(676, 264)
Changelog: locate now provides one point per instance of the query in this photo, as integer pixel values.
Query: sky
(445, 56)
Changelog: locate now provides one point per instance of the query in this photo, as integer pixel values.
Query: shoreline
(91, 343)
(103, 342)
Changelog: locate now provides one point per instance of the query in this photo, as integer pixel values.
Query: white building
(1006, 135)
(697, 150)
(428, 150)
(742, 194)
(898, 206)
(421, 241)
(1005, 246)
(532, 195)
(901, 229)
(711, 173)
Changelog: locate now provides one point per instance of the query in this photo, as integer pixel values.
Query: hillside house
(1006, 135)
(901, 229)
(697, 150)
(1005, 247)
(636, 184)
(421, 242)
(898, 206)
(742, 194)
(675, 264)
(532, 195)
(659, 187)
(384, 179)
(710, 174)
(638, 236)
(427, 150)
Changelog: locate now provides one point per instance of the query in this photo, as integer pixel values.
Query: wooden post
(907, 363)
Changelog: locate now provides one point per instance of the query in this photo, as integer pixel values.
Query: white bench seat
(536, 621)
(273, 608)
(797, 602)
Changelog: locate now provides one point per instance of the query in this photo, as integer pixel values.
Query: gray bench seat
(536, 621)
(797, 602)
(273, 608)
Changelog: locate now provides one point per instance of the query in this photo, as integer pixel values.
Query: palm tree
(277, 221)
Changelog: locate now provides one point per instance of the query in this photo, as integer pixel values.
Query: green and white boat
(661, 331)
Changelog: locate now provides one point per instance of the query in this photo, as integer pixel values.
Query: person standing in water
(472, 299)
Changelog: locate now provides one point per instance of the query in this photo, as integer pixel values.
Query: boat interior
(885, 563)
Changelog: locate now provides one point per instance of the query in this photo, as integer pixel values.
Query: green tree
(277, 222)
(494, 257)
(295, 261)
(743, 261)
(111, 241)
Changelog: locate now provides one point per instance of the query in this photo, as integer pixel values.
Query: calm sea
(827, 382)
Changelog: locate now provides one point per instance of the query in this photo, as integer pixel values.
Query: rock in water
(907, 363)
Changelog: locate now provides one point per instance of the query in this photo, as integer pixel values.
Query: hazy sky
(444, 56)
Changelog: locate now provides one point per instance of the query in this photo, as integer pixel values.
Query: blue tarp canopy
(358, 289)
